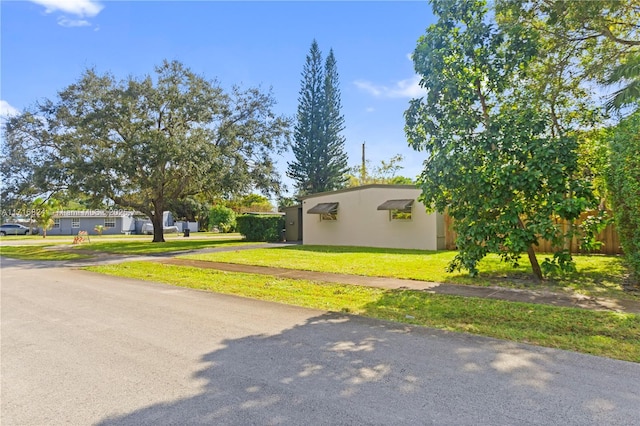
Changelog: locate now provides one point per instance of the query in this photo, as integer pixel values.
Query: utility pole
(363, 170)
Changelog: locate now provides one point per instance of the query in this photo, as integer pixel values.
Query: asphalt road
(79, 348)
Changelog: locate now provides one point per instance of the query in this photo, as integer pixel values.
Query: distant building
(70, 222)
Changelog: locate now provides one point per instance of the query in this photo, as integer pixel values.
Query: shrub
(260, 227)
(624, 188)
(223, 218)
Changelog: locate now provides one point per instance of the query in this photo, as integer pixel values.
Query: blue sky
(46, 44)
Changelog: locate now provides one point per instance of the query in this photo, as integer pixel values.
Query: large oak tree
(145, 142)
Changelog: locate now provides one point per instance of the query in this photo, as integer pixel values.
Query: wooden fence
(609, 237)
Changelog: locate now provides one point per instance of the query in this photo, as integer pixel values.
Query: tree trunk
(156, 220)
(535, 266)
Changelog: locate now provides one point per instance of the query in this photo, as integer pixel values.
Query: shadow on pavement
(338, 369)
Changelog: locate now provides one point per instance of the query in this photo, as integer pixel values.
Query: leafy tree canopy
(624, 181)
(596, 41)
(386, 173)
(144, 142)
(495, 160)
(249, 203)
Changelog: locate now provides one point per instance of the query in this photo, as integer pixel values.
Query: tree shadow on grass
(340, 369)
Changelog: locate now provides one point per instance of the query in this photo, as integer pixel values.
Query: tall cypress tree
(334, 158)
(320, 161)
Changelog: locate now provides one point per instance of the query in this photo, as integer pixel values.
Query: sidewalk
(499, 293)
(513, 295)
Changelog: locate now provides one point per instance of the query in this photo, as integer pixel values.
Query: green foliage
(250, 203)
(589, 229)
(579, 43)
(561, 262)
(145, 142)
(624, 186)
(385, 173)
(628, 72)
(593, 161)
(261, 227)
(99, 229)
(223, 218)
(320, 160)
(286, 202)
(496, 162)
(45, 210)
(191, 209)
(600, 33)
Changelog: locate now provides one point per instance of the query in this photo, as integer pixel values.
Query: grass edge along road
(59, 250)
(46, 252)
(608, 334)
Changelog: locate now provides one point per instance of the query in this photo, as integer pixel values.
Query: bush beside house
(222, 218)
(260, 227)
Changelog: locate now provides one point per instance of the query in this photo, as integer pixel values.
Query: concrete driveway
(80, 348)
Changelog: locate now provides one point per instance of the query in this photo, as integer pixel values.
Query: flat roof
(359, 188)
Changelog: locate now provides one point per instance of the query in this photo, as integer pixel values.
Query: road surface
(80, 348)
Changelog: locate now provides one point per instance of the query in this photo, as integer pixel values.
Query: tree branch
(605, 31)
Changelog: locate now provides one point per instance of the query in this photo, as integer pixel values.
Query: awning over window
(396, 205)
(323, 208)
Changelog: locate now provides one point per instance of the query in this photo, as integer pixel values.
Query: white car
(13, 229)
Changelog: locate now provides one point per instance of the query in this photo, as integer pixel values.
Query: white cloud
(6, 110)
(63, 21)
(408, 88)
(79, 8)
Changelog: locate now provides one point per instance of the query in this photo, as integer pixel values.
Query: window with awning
(398, 209)
(327, 211)
(323, 208)
(396, 205)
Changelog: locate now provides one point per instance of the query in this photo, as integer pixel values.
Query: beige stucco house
(372, 216)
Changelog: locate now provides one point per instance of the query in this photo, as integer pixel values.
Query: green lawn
(39, 252)
(65, 250)
(109, 237)
(147, 247)
(597, 275)
(606, 334)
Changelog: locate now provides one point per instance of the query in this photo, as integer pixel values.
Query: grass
(45, 250)
(147, 247)
(607, 334)
(39, 252)
(38, 237)
(597, 275)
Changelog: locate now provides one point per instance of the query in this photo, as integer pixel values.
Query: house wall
(128, 224)
(293, 223)
(86, 224)
(182, 225)
(359, 222)
(139, 223)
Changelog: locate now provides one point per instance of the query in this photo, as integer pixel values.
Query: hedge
(624, 188)
(260, 227)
